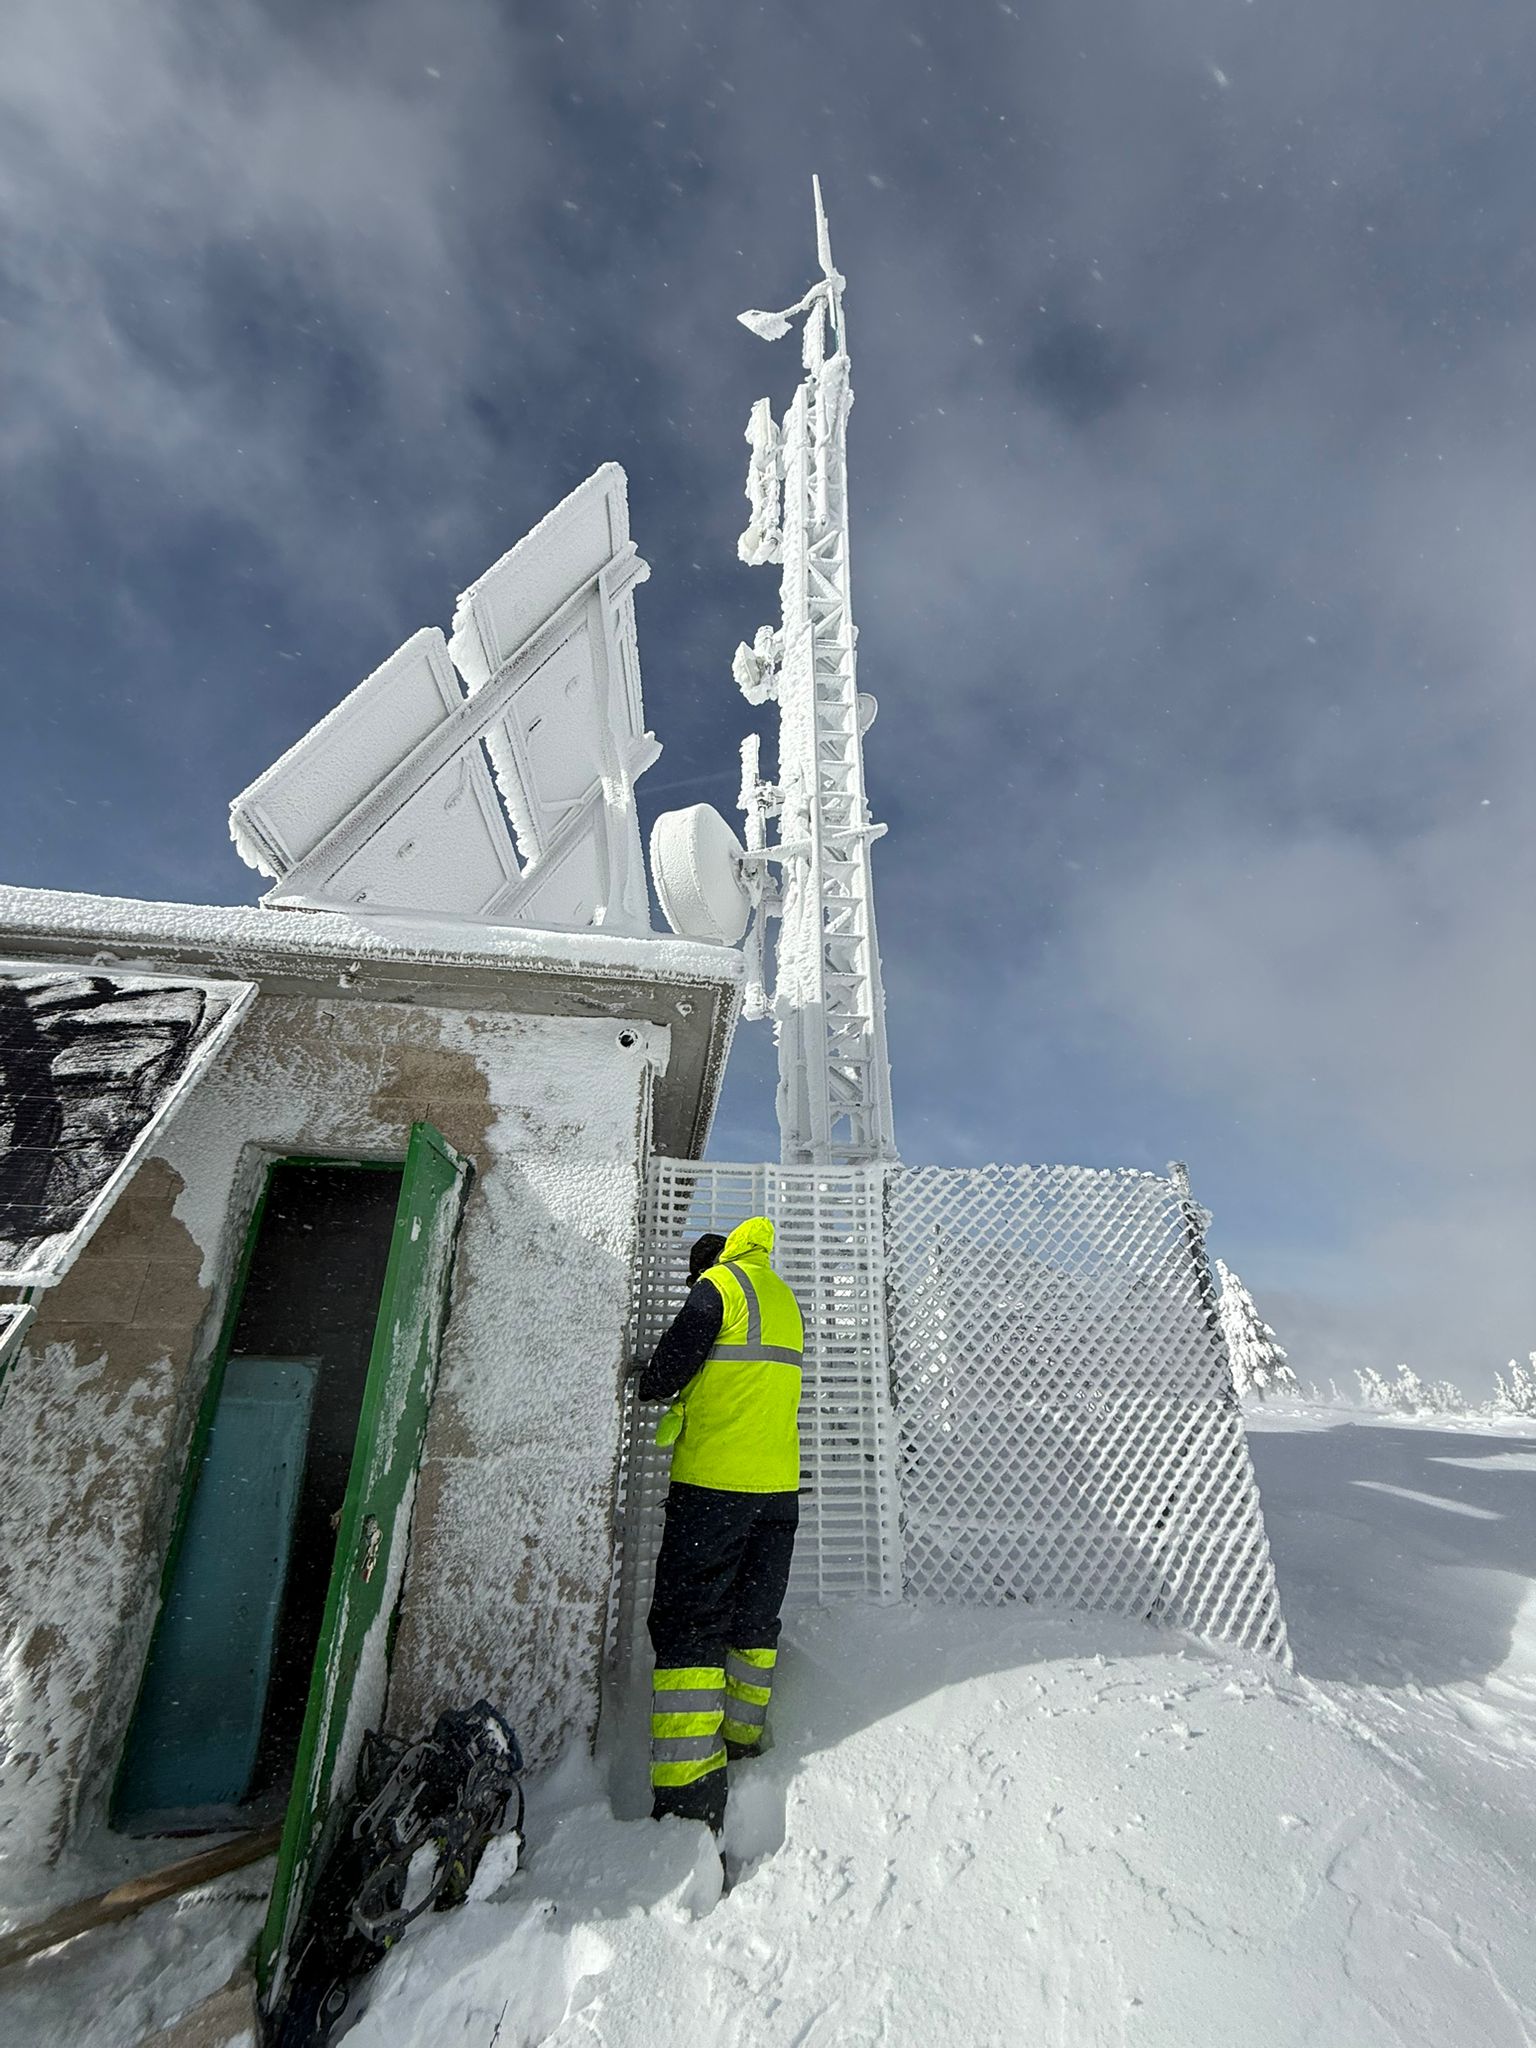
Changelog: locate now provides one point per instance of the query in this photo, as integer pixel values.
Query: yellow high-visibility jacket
(735, 1425)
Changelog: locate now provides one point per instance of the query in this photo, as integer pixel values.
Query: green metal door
(346, 1693)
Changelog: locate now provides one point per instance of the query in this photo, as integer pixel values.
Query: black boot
(703, 1800)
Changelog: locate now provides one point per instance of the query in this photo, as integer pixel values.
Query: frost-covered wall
(507, 1589)
(508, 1576)
(89, 1408)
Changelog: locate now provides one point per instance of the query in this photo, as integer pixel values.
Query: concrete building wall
(508, 1577)
(95, 1414)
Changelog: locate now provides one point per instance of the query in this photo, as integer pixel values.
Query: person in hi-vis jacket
(730, 1366)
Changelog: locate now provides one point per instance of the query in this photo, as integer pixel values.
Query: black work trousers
(722, 1573)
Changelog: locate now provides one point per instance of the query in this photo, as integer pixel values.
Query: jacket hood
(755, 1235)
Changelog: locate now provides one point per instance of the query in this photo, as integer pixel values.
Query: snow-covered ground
(1005, 1826)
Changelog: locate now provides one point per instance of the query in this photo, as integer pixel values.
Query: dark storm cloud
(1193, 525)
(1075, 367)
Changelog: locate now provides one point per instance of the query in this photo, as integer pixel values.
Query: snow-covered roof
(690, 987)
(317, 934)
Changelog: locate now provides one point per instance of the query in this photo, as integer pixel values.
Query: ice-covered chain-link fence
(1068, 1426)
(828, 1246)
(1064, 1428)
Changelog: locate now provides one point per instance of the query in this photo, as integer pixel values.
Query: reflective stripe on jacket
(735, 1425)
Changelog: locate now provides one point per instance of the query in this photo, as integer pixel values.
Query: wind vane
(828, 1000)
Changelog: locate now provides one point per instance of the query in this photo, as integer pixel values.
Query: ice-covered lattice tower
(828, 1000)
(806, 860)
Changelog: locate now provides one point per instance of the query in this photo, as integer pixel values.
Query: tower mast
(828, 1000)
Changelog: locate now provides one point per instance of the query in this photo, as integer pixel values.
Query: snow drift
(988, 1827)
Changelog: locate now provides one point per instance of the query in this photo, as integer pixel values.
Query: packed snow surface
(1006, 1826)
(1003, 1826)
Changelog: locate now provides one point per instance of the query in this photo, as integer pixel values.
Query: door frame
(317, 1796)
(208, 1404)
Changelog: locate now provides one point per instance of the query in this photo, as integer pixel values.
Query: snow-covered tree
(1374, 1391)
(1515, 1389)
(1407, 1394)
(1331, 1399)
(1258, 1363)
(1412, 1396)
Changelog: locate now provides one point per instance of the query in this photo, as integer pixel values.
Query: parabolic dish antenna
(696, 865)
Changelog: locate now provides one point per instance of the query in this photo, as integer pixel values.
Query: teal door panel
(198, 1725)
(351, 1664)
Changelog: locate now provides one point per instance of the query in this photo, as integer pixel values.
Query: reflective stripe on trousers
(748, 1689)
(687, 1709)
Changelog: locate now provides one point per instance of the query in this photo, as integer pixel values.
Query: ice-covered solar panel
(509, 799)
(91, 1065)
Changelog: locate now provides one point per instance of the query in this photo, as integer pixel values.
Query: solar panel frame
(15, 1319)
